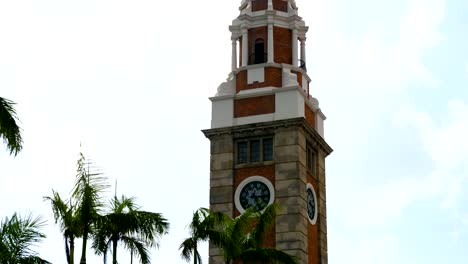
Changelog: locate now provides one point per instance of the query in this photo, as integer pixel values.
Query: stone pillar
(234, 54)
(294, 47)
(303, 49)
(245, 47)
(271, 51)
(221, 184)
(270, 4)
(290, 185)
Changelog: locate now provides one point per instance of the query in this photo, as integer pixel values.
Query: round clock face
(254, 193)
(310, 204)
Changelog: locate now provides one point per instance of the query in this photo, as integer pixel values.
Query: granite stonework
(221, 183)
(291, 137)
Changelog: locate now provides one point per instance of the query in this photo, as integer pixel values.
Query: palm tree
(199, 231)
(126, 224)
(242, 238)
(65, 213)
(88, 187)
(17, 236)
(9, 129)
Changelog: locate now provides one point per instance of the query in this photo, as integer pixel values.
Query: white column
(245, 48)
(271, 49)
(270, 4)
(294, 47)
(303, 50)
(234, 54)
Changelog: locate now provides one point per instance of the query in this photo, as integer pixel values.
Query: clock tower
(267, 132)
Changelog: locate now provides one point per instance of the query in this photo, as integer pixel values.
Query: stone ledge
(292, 122)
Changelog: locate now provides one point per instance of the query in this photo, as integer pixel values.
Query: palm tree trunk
(114, 250)
(131, 256)
(67, 249)
(72, 250)
(195, 256)
(83, 250)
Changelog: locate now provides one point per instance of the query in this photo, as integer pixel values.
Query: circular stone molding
(244, 183)
(311, 201)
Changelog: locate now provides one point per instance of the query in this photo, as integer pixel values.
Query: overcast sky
(130, 80)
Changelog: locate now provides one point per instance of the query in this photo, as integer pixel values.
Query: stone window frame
(313, 221)
(249, 140)
(247, 181)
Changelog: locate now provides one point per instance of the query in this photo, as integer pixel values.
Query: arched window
(259, 51)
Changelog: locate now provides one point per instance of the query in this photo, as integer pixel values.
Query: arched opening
(259, 51)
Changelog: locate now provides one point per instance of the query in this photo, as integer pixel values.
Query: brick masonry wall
(299, 77)
(282, 45)
(280, 5)
(254, 106)
(267, 171)
(312, 230)
(273, 78)
(309, 115)
(258, 5)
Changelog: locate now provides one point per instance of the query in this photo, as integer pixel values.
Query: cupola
(268, 60)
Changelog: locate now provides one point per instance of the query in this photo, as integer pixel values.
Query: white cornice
(263, 18)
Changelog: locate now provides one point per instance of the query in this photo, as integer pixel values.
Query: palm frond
(33, 260)
(18, 235)
(137, 246)
(9, 129)
(187, 248)
(265, 221)
(125, 223)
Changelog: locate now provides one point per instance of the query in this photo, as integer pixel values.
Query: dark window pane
(242, 152)
(268, 149)
(255, 151)
(310, 158)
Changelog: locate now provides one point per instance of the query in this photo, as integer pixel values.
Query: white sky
(130, 80)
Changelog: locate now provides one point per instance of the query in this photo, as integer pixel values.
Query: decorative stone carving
(314, 102)
(228, 87)
(245, 5)
(289, 78)
(293, 4)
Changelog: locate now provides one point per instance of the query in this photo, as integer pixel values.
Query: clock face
(255, 193)
(311, 205)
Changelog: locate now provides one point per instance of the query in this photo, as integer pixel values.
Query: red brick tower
(267, 134)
